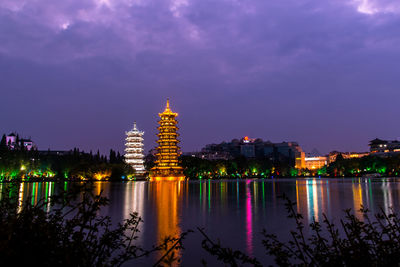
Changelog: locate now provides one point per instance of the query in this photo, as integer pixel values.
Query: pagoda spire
(167, 107)
(168, 110)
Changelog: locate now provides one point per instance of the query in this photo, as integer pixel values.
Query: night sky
(79, 72)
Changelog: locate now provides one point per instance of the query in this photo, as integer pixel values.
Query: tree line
(19, 163)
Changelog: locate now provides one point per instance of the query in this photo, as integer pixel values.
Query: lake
(234, 211)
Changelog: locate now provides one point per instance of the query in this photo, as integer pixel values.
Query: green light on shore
(382, 170)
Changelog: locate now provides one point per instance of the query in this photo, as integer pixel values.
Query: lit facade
(14, 142)
(346, 155)
(134, 150)
(315, 163)
(167, 165)
(300, 162)
(378, 146)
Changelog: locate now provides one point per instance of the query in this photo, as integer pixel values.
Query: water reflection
(387, 196)
(249, 220)
(168, 197)
(34, 193)
(134, 201)
(235, 210)
(357, 198)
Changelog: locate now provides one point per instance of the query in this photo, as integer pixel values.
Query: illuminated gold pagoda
(167, 166)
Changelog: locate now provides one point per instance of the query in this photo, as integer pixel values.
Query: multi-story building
(378, 146)
(218, 155)
(14, 142)
(27, 144)
(255, 148)
(346, 155)
(315, 163)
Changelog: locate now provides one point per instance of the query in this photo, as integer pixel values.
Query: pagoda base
(167, 174)
(170, 178)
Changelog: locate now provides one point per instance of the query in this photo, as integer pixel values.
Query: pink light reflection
(249, 223)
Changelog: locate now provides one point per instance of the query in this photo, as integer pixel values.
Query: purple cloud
(324, 73)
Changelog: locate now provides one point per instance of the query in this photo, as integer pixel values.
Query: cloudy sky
(79, 72)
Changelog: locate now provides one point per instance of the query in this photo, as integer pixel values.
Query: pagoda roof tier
(170, 116)
(165, 124)
(168, 124)
(168, 133)
(167, 130)
(161, 145)
(168, 120)
(169, 127)
(167, 164)
(168, 141)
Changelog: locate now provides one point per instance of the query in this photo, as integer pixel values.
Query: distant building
(27, 144)
(378, 146)
(14, 142)
(218, 155)
(315, 163)
(346, 155)
(254, 148)
(292, 150)
(11, 140)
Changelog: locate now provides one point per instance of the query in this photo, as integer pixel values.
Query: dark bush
(71, 233)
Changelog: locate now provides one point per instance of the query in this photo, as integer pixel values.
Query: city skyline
(311, 153)
(323, 74)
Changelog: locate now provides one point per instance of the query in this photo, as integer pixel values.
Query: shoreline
(36, 180)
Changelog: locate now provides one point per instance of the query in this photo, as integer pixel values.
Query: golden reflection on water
(168, 197)
(250, 200)
(357, 198)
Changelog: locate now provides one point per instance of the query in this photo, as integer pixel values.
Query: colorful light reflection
(249, 220)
